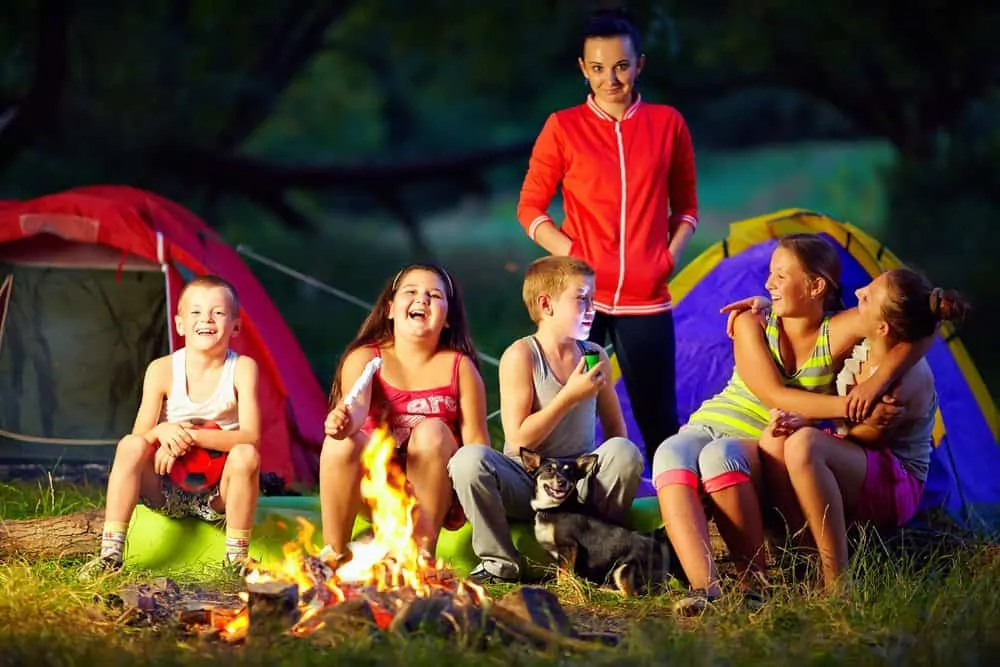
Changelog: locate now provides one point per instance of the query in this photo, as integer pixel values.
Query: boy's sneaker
(484, 577)
(99, 567)
(696, 603)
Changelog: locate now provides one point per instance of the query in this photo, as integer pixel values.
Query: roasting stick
(363, 381)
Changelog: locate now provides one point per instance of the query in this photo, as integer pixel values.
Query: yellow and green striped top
(735, 411)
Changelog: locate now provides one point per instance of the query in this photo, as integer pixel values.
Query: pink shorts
(890, 494)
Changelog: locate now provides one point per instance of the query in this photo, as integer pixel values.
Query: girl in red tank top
(405, 408)
(428, 391)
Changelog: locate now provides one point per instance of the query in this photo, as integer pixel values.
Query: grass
(24, 500)
(944, 613)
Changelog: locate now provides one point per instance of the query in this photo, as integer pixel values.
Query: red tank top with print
(405, 408)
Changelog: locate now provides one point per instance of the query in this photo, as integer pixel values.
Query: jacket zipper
(621, 234)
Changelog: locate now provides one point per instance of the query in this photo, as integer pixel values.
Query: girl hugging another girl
(866, 473)
(788, 362)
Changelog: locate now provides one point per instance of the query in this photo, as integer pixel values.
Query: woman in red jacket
(628, 185)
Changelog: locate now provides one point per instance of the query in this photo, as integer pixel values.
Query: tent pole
(161, 257)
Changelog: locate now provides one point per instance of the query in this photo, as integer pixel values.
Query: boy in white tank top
(185, 396)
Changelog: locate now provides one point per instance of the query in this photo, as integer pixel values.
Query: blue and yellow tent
(963, 477)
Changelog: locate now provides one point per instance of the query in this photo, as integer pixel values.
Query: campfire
(387, 586)
(387, 574)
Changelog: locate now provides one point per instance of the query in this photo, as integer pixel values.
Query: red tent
(89, 280)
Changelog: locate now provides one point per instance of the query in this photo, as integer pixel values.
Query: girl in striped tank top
(868, 473)
(788, 362)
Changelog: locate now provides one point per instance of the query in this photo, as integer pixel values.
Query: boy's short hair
(550, 275)
(211, 280)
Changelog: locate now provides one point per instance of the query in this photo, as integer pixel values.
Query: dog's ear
(530, 459)
(586, 464)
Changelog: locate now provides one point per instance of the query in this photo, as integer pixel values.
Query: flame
(391, 560)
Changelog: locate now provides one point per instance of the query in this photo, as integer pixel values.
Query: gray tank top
(574, 435)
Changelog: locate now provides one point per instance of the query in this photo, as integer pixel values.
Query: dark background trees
(316, 119)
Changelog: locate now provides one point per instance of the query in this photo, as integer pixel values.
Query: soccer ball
(200, 468)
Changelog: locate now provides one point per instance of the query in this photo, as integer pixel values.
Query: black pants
(644, 345)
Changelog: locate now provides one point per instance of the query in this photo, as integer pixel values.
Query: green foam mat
(163, 545)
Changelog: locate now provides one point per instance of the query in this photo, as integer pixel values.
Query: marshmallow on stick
(363, 381)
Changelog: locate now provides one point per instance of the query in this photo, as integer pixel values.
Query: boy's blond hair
(550, 275)
(212, 280)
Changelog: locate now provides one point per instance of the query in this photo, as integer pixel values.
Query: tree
(907, 75)
(171, 96)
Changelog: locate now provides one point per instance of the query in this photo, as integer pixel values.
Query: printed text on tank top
(408, 407)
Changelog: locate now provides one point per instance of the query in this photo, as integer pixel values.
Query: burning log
(272, 609)
(537, 606)
(201, 617)
(352, 618)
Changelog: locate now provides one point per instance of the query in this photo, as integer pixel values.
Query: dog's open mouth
(557, 492)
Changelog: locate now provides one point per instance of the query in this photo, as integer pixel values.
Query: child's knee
(773, 445)
(135, 448)
(801, 449)
(468, 464)
(431, 439)
(676, 461)
(723, 463)
(622, 456)
(243, 460)
(339, 452)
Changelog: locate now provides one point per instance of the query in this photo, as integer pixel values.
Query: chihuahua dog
(581, 541)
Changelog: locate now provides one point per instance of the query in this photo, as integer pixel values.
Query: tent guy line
(246, 251)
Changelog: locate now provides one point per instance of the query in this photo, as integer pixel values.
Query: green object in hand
(591, 359)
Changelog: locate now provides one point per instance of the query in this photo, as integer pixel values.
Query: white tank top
(220, 407)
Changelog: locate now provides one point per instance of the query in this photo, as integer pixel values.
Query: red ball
(200, 468)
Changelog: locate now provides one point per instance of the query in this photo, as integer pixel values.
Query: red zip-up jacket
(627, 186)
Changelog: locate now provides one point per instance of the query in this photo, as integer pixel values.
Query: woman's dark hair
(913, 307)
(377, 327)
(819, 259)
(612, 23)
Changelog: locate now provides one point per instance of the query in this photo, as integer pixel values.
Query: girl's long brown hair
(376, 330)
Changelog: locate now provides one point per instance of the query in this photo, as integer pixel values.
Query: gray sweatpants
(493, 488)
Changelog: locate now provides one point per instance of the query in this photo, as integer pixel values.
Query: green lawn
(944, 613)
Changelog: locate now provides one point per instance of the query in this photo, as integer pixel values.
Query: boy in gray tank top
(549, 402)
